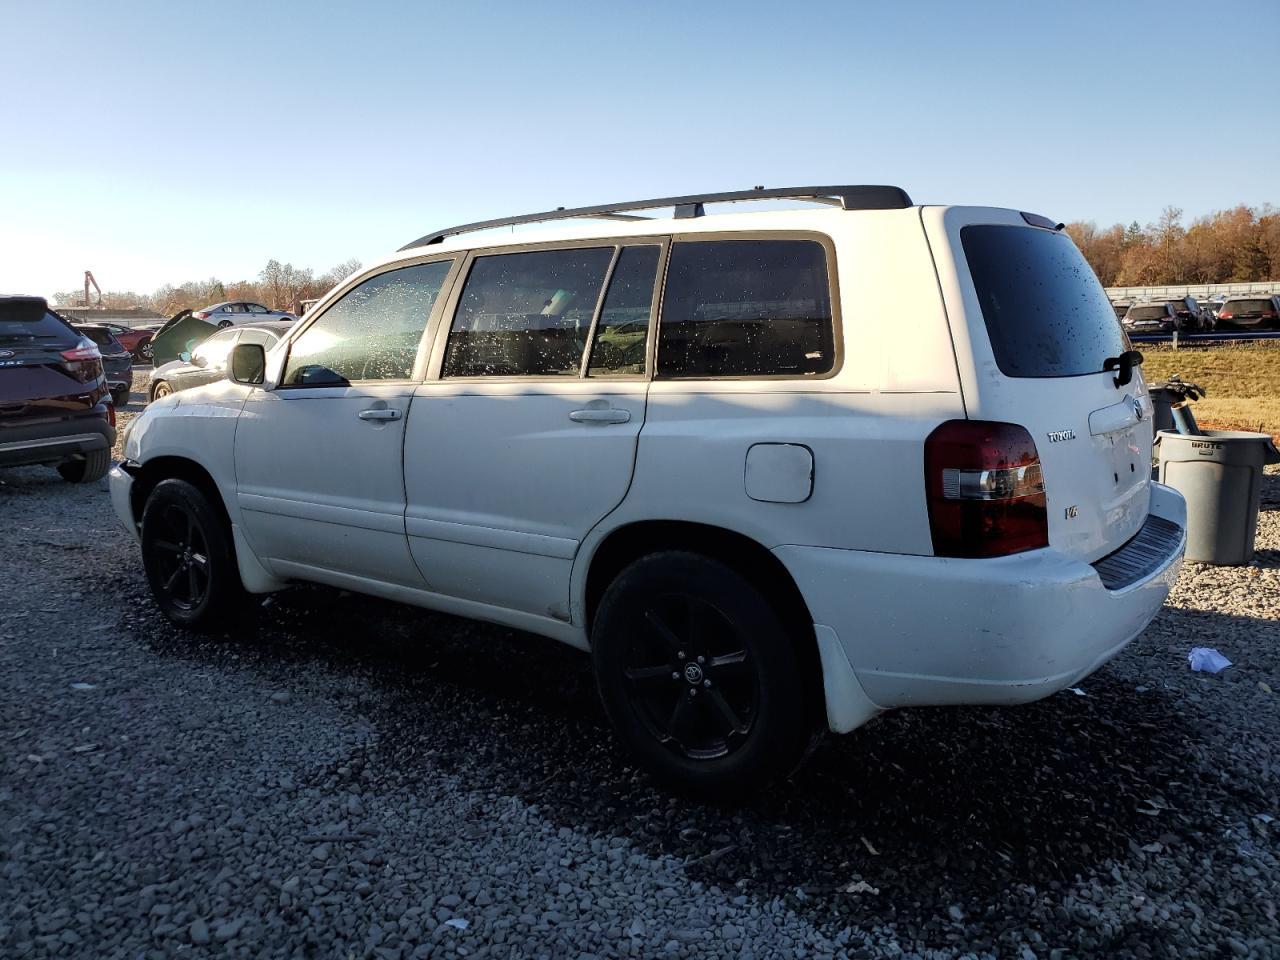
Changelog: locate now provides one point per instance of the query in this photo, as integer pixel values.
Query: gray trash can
(1220, 474)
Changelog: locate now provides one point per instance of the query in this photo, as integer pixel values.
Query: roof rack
(847, 197)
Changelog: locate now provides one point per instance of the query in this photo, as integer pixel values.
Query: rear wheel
(698, 674)
(120, 397)
(143, 352)
(93, 467)
(188, 557)
(223, 324)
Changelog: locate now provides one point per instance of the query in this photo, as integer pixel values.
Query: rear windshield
(1046, 313)
(98, 335)
(1247, 306)
(1148, 313)
(23, 320)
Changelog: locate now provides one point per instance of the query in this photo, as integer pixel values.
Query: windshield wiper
(1124, 364)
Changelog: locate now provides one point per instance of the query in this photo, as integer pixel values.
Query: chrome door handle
(600, 415)
(380, 413)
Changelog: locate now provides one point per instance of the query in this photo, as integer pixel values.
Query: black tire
(189, 558)
(161, 389)
(143, 353)
(733, 720)
(93, 467)
(223, 324)
(120, 397)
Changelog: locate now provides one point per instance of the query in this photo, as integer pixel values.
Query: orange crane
(88, 279)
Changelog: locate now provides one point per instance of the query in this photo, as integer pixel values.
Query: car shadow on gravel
(918, 812)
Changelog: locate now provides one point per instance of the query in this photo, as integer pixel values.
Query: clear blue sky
(158, 142)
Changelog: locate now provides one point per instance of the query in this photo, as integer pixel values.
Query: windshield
(1045, 311)
(1148, 313)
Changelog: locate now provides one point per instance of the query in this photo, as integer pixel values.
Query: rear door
(528, 438)
(1033, 330)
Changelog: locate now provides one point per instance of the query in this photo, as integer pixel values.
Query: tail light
(1269, 315)
(1224, 315)
(83, 361)
(111, 413)
(201, 314)
(985, 490)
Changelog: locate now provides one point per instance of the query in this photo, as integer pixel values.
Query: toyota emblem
(1137, 407)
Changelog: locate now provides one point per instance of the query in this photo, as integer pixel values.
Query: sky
(171, 141)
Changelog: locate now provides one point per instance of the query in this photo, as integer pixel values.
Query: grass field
(1241, 382)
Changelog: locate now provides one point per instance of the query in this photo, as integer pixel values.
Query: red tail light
(1224, 315)
(86, 351)
(985, 490)
(111, 413)
(201, 315)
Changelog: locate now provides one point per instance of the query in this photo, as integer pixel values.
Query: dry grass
(1241, 382)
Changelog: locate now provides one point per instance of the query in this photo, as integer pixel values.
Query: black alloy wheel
(188, 557)
(699, 675)
(690, 677)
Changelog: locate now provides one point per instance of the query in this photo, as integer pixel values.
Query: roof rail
(847, 197)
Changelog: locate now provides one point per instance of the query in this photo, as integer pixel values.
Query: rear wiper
(1124, 364)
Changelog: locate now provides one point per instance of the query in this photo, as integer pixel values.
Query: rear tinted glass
(1045, 311)
(1247, 306)
(746, 308)
(102, 338)
(29, 320)
(1148, 313)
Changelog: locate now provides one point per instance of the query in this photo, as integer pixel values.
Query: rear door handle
(600, 415)
(380, 413)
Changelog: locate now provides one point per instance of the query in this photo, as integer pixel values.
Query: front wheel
(188, 557)
(699, 675)
(161, 389)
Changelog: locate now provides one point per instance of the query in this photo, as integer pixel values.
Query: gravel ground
(356, 779)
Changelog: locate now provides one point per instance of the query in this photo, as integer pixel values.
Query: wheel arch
(149, 474)
(747, 556)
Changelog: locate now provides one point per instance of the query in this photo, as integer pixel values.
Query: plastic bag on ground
(1207, 660)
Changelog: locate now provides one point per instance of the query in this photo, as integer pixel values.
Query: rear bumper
(51, 441)
(933, 630)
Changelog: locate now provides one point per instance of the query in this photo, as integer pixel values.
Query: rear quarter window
(1045, 312)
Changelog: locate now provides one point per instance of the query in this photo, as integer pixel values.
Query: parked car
(1253, 311)
(1120, 308)
(135, 339)
(117, 362)
(690, 446)
(54, 403)
(1152, 318)
(208, 361)
(1190, 314)
(234, 312)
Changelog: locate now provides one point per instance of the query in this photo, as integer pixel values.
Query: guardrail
(1201, 291)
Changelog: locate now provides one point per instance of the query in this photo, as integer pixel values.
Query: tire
(120, 397)
(161, 389)
(93, 467)
(143, 353)
(223, 324)
(698, 675)
(189, 559)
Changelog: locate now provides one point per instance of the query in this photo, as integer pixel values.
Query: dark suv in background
(54, 403)
(1254, 311)
(117, 361)
(1152, 318)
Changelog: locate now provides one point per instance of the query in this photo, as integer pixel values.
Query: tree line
(280, 286)
(1236, 245)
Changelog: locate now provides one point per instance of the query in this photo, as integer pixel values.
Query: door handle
(600, 415)
(380, 413)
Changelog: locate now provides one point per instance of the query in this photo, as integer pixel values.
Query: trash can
(1163, 399)
(1220, 474)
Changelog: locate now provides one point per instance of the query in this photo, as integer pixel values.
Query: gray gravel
(352, 778)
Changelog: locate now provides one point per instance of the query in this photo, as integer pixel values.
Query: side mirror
(185, 356)
(248, 363)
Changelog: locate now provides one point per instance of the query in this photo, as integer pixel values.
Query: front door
(318, 457)
(521, 447)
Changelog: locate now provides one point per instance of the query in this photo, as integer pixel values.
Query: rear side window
(1045, 311)
(526, 314)
(24, 320)
(99, 336)
(746, 308)
(372, 333)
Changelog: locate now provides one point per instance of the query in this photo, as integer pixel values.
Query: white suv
(778, 471)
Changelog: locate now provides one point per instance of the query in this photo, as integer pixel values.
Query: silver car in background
(208, 361)
(232, 313)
